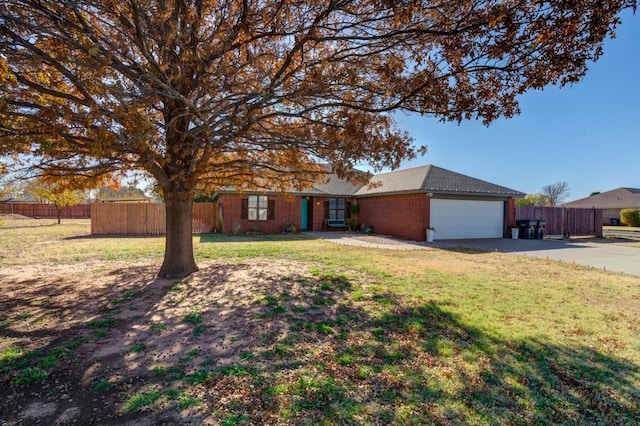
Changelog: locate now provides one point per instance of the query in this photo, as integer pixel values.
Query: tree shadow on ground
(115, 236)
(267, 342)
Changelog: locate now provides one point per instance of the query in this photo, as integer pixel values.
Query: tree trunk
(178, 255)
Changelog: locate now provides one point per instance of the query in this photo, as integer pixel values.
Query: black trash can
(527, 228)
(540, 229)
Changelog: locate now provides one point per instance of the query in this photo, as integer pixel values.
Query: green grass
(236, 370)
(30, 376)
(192, 352)
(177, 398)
(158, 326)
(8, 321)
(200, 376)
(23, 367)
(138, 347)
(99, 334)
(102, 323)
(143, 399)
(9, 355)
(159, 371)
(364, 336)
(101, 385)
(456, 337)
(235, 419)
(183, 401)
(199, 329)
(125, 297)
(193, 317)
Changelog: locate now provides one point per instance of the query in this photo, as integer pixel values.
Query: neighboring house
(403, 203)
(139, 199)
(24, 200)
(611, 202)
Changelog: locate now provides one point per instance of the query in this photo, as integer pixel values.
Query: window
(337, 209)
(257, 207)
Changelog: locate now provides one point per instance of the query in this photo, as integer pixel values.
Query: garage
(404, 203)
(456, 219)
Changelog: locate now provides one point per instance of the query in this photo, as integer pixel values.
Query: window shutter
(326, 209)
(244, 208)
(271, 210)
(347, 213)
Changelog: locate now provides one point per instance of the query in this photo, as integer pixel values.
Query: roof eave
(440, 192)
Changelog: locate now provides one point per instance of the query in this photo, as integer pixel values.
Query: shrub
(630, 217)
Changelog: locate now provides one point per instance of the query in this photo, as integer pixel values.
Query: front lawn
(289, 330)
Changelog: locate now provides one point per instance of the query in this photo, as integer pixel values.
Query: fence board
(145, 218)
(564, 221)
(40, 210)
(203, 217)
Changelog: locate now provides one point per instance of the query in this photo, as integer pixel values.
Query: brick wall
(511, 213)
(403, 216)
(287, 210)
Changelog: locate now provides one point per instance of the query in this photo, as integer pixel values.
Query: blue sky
(587, 134)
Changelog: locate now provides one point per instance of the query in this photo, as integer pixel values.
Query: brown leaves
(253, 92)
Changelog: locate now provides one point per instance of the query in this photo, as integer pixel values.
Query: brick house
(403, 204)
(611, 202)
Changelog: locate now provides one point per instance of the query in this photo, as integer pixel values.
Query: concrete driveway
(610, 255)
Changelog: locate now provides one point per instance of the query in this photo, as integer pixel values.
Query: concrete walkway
(603, 254)
(363, 240)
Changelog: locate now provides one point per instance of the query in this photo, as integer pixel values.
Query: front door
(304, 215)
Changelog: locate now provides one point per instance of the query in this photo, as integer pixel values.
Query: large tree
(555, 193)
(254, 93)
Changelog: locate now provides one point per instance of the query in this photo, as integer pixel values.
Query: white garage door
(467, 219)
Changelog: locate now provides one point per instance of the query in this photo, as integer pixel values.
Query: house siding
(404, 216)
(609, 214)
(287, 210)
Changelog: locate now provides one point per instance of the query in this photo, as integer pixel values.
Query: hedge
(630, 217)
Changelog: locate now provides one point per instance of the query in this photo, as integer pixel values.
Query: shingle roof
(423, 179)
(335, 186)
(620, 198)
(435, 180)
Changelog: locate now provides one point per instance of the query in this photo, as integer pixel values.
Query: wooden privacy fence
(39, 210)
(564, 221)
(145, 218)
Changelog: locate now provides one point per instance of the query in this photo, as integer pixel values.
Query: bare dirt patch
(101, 335)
